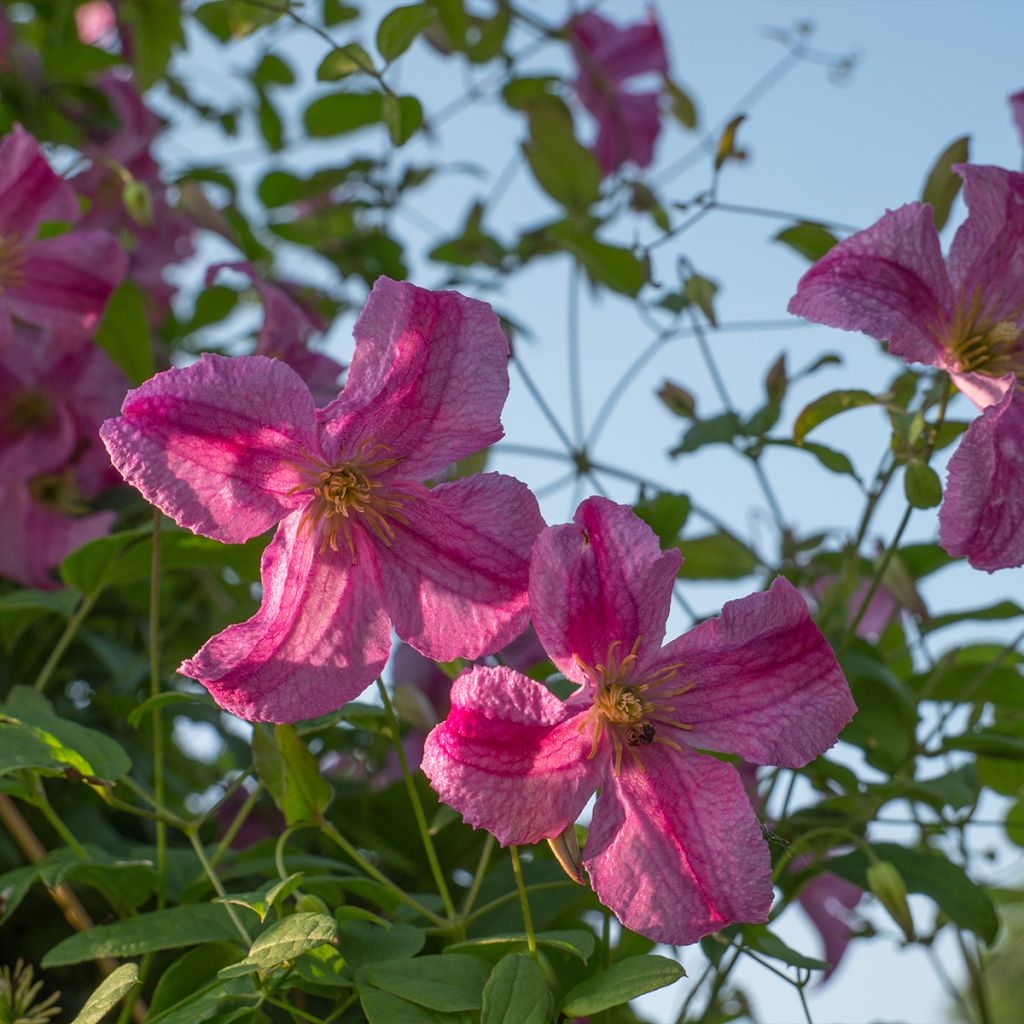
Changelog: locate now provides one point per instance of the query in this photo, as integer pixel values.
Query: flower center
(28, 411)
(630, 705)
(58, 492)
(993, 351)
(348, 493)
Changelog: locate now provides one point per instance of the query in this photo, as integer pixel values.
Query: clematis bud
(138, 201)
(566, 848)
(885, 881)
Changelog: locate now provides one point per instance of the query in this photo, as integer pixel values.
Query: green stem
(977, 980)
(417, 805)
(339, 840)
(41, 801)
(211, 874)
(478, 878)
(502, 900)
(239, 820)
(154, 691)
(72, 627)
(531, 939)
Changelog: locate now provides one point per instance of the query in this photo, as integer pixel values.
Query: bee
(640, 735)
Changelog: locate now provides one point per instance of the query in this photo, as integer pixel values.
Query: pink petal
(428, 379)
(986, 259)
(37, 539)
(30, 192)
(982, 514)
(599, 581)
(64, 283)
(675, 849)
(888, 281)
(983, 390)
(510, 757)
(455, 578)
(620, 52)
(628, 127)
(766, 684)
(218, 445)
(319, 639)
(823, 898)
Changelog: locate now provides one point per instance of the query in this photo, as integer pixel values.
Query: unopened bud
(138, 201)
(887, 884)
(678, 399)
(566, 848)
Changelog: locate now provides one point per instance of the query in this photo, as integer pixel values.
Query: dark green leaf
(285, 940)
(341, 112)
(607, 264)
(665, 514)
(145, 933)
(808, 239)
(516, 993)
(718, 556)
(922, 485)
(110, 992)
(400, 27)
(932, 875)
(720, 429)
(306, 793)
(403, 116)
(988, 741)
(758, 937)
(833, 460)
(824, 408)
(273, 70)
(563, 168)
(189, 972)
(621, 982)
(446, 982)
(943, 184)
(576, 941)
(123, 334)
(363, 943)
(158, 703)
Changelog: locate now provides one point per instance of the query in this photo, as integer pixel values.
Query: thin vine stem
(524, 902)
(70, 630)
(157, 724)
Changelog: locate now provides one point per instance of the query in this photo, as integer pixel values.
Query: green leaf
(145, 933)
(124, 334)
(306, 793)
(271, 126)
(344, 61)
(701, 292)
(400, 27)
(921, 485)
(158, 703)
(96, 754)
(932, 875)
(943, 184)
(447, 982)
(403, 116)
(808, 239)
(363, 943)
(155, 27)
(59, 602)
(261, 900)
(759, 938)
(1014, 823)
(341, 112)
(283, 941)
(576, 941)
(21, 749)
(726, 148)
(665, 514)
(988, 741)
(824, 408)
(999, 610)
(568, 172)
(516, 993)
(832, 459)
(189, 972)
(384, 1008)
(681, 105)
(335, 12)
(609, 265)
(720, 429)
(113, 987)
(718, 556)
(621, 982)
(273, 70)
(14, 885)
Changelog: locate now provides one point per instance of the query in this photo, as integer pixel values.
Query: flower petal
(986, 259)
(620, 52)
(601, 580)
(218, 444)
(428, 379)
(982, 514)
(628, 127)
(510, 757)
(30, 192)
(675, 850)
(888, 281)
(820, 898)
(319, 639)
(64, 283)
(766, 684)
(455, 577)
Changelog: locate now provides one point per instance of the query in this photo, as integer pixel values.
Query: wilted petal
(428, 379)
(319, 639)
(986, 259)
(888, 281)
(766, 684)
(982, 514)
(510, 757)
(676, 850)
(36, 539)
(455, 577)
(598, 581)
(29, 190)
(217, 445)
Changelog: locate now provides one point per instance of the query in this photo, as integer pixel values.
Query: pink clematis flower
(965, 316)
(229, 447)
(285, 334)
(675, 848)
(608, 57)
(61, 283)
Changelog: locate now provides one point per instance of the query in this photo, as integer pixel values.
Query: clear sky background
(926, 72)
